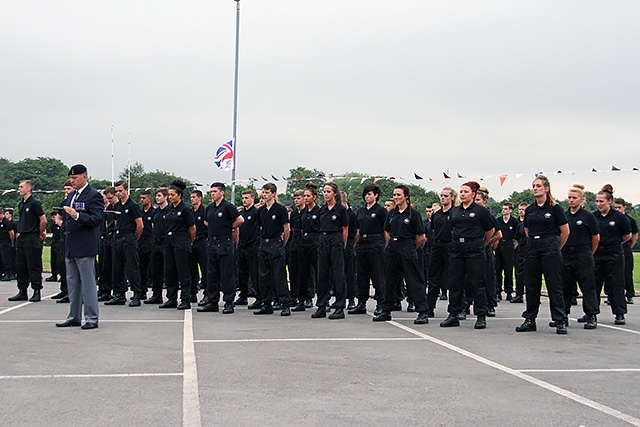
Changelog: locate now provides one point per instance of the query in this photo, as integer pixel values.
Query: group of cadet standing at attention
(460, 252)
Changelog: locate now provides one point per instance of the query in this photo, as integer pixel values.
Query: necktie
(73, 199)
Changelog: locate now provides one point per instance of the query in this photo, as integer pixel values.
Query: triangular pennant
(503, 177)
(417, 176)
(274, 178)
(518, 175)
(594, 170)
(363, 180)
(482, 178)
(614, 169)
(375, 180)
(461, 176)
(445, 175)
(264, 179)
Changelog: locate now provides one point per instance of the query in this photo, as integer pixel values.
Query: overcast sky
(481, 88)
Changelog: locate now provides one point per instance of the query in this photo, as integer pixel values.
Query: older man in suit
(82, 216)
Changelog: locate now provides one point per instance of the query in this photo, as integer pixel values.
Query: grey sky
(386, 88)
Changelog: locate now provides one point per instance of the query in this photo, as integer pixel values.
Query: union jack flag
(224, 156)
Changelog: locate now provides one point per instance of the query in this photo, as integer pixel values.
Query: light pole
(235, 104)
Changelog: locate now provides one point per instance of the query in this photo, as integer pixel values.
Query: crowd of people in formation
(166, 251)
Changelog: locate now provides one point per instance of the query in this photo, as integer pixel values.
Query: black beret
(77, 170)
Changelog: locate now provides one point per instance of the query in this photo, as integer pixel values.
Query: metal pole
(112, 159)
(235, 105)
(129, 167)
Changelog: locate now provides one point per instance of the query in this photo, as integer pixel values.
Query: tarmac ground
(148, 367)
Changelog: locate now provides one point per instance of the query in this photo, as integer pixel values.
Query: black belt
(177, 234)
(271, 239)
(402, 239)
(577, 248)
(219, 239)
(543, 237)
(371, 236)
(506, 240)
(328, 233)
(310, 233)
(466, 240)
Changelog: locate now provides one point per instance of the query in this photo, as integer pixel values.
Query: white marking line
(582, 370)
(555, 389)
(101, 321)
(24, 304)
(190, 393)
(617, 328)
(14, 377)
(307, 340)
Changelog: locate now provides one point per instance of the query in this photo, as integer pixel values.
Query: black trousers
(308, 266)
(402, 262)
(294, 264)
(145, 249)
(105, 265)
(55, 258)
(272, 271)
(6, 255)
(199, 265)
(177, 252)
(505, 261)
(520, 252)
(609, 271)
(578, 267)
(157, 267)
(350, 270)
(125, 259)
(630, 291)
(438, 272)
(61, 267)
(370, 267)
(490, 276)
(543, 257)
(466, 269)
(248, 270)
(331, 269)
(29, 261)
(220, 269)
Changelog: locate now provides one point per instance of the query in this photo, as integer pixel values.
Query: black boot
(529, 325)
(20, 296)
(36, 296)
(361, 308)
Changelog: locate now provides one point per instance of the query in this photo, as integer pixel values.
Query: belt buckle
(364, 236)
(395, 239)
(170, 233)
(461, 239)
(536, 237)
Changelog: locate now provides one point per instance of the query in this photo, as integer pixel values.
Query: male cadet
(157, 254)
(273, 221)
(82, 218)
(7, 239)
(107, 236)
(8, 214)
(222, 220)
(198, 248)
(125, 248)
(505, 252)
(32, 230)
(248, 251)
(62, 296)
(145, 243)
(621, 206)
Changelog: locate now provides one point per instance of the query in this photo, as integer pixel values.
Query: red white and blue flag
(224, 156)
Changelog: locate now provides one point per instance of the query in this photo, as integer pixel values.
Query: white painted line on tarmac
(24, 304)
(159, 374)
(190, 391)
(581, 370)
(618, 328)
(548, 386)
(101, 321)
(306, 340)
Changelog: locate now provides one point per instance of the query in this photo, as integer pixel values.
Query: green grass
(46, 258)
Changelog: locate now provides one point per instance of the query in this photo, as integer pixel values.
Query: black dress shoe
(63, 300)
(277, 306)
(554, 324)
(5, 278)
(529, 325)
(450, 321)
(620, 319)
(104, 297)
(491, 312)
(204, 301)
(68, 323)
(462, 316)
(352, 304)
(358, 309)
(185, 304)
(228, 308)
(266, 308)
(397, 306)
(257, 304)
(211, 307)
(591, 323)
(36, 296)
(135, 302)
(629, 300)
(583, 319)
(59, 295)
(153, 300)
(241, 301)
(431, 313)
(89, 326)
(384, 316)
(51, 279)
(116, 301)
(481, 323)
(422, 319)
(337, 314)
(377, 311)
(319, 313)
(561, 328)
(308, 303)
(299, 307)
(169, 304)
(517, 300)
(509, 297)
(411, 308)
(286, 311)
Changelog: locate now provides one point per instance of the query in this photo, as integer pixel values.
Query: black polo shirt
(147, 223)
(470, 223)
(404, 225)
(612, 227)
(508, 228)
(582, 225)
(110, 218)
(295, 219)
(311, 220)
(249, 228)
(544, 220)
(428, 231)
(441, 226)
(332, 220)
(199, 217)
(520, 236)
(272, 221)
(178, 219)
(371, 220)
(352, 224)
(220, 218)
(30, 213)
(5, 228)
(126, 221)
(634, 229)
(158, 222)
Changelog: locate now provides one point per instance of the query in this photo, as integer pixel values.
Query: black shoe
(257, 304)
(451, 320)
(509, 297)
(59, 295)
(193, 298)
(443, 297)
(185, 304)
(591, 323)
(462, 316)
(116, 301)
(583, 319)
(574, 301)
(286, 310)
(352, 304)
(320, 312)
(607, 301)
(411, 308)
(299, 307)
(204, 301)
(619, 319)
(517, 300)
(169, 304)
(499, 297)
(209, 308)
(481, 323)
(36, 296)
(337, 314)
(422, 319)
(153, 300)
(51, 279)
(554, 324)
(377, 311)
(361, 308)
(68, 323)
(228, 308)
(5, 278)
(561, 328)
(529, 325)
(89, 326)
(629, 300)
(308, 303)
(267, 308)
(63, 300)
(431, 313)
(241, 301)
(104, 297)
(135, 302)
(397, 306)
(382, 317)
(491, 312)
(277, 306)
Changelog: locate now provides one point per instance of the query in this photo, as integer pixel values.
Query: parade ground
(149, 367)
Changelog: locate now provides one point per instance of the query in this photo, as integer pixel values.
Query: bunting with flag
(224, 156)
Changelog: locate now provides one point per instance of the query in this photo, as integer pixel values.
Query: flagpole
(112, 159)
(235, 104)
(129, 166)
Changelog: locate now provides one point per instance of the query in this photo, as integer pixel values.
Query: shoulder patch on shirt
(612, 223)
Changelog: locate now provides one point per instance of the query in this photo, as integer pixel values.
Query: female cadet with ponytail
(180, 229)
(615, 229)
(546, 227)
(308, 251)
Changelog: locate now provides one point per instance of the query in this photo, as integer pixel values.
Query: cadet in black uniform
(471, 230)
(621, 206)
(248, 252)
(198, 248)
(223, 220)
(125, 248)
(404, 234)
(490, 260)
(349, 253)
(308, 252)
(520, 238)
(145, 243)
(273, 221)
(180, 230)
(547, 230)
(295, 241)
(32, 231)
(7, 238)
(615, 229)
(107, 236)
(440, 247)
(62, 296)
(8, 214)
(505, 252)
(577, 258)
(157, 251)
(370, 244)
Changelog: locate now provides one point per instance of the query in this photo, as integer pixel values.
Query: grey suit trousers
(81, 284)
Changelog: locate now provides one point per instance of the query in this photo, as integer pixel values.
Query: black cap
(77, 170)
